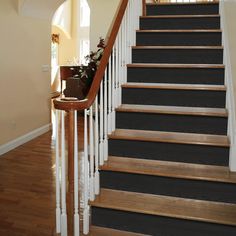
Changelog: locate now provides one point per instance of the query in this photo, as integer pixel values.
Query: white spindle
(76, 178)
(109, 97)
(105, 118)
(117, 73)
(96, 141)
(91, 155)
(125, 47)
(63, 179)
(86, 177)
(113, 105)
(58, 205)
(119, 66)
(101, 133)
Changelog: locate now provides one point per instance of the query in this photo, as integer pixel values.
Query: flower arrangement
(87, 72)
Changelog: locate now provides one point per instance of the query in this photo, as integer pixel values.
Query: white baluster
(113, 105)
(91, 155)
(119, 67)
(125, 48)
(63, 179)
(117, 72)
(76, 178)
(109, 97)
(101, 133)
(58, 190)
(86, 177)
(97, 177)
(105, 118)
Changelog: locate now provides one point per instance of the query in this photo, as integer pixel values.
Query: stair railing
(98, 109)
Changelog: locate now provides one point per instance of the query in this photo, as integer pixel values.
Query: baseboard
(24, 139)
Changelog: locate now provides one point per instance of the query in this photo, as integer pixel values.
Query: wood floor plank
(199, 111)
(171, 137)
(198, 210)
(170, 169)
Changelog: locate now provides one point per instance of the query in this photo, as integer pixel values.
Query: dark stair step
(176, 119)
(180, 22)
(162, 215)
(203, 8)
(174, 94)
(170, 146)
(212, 183)
(176, 73)
(179, 37)
(178, 54)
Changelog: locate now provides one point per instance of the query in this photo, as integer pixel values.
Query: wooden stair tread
(199, 210)
(168, 65)
(182, 3)
(171, 137)
(178, 47)
(175, 86)
(170, 169)
(181, 31)
(199, 111)
(101, 231)
(180, 16)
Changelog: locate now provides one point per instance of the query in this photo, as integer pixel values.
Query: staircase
(168, 172)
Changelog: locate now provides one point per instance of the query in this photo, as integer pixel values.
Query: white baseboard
(24, 139)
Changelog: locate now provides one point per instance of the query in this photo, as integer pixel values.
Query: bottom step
(162, 215)
(101, 231)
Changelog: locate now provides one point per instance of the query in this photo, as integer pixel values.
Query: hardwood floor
(27, 188)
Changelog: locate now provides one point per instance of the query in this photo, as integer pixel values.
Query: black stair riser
(178, 39)
(176, 75)
(172, 123)
(192, 98)
(180, 23)
(189, 153)
(156, 225)
(173, 56)
(194, 189)
(183, 9)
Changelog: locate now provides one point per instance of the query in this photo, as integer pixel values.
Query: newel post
(70, 178)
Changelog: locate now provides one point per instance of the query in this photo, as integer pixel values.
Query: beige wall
(230, 17)
(24, 88)
(68, 47)
(102, 14)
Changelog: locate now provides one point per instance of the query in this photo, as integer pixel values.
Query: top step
(199, 8)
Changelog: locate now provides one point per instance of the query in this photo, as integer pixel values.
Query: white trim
(230, 96)
(24, 139)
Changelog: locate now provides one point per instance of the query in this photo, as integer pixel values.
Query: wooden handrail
(88, 101)
(144, 7)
